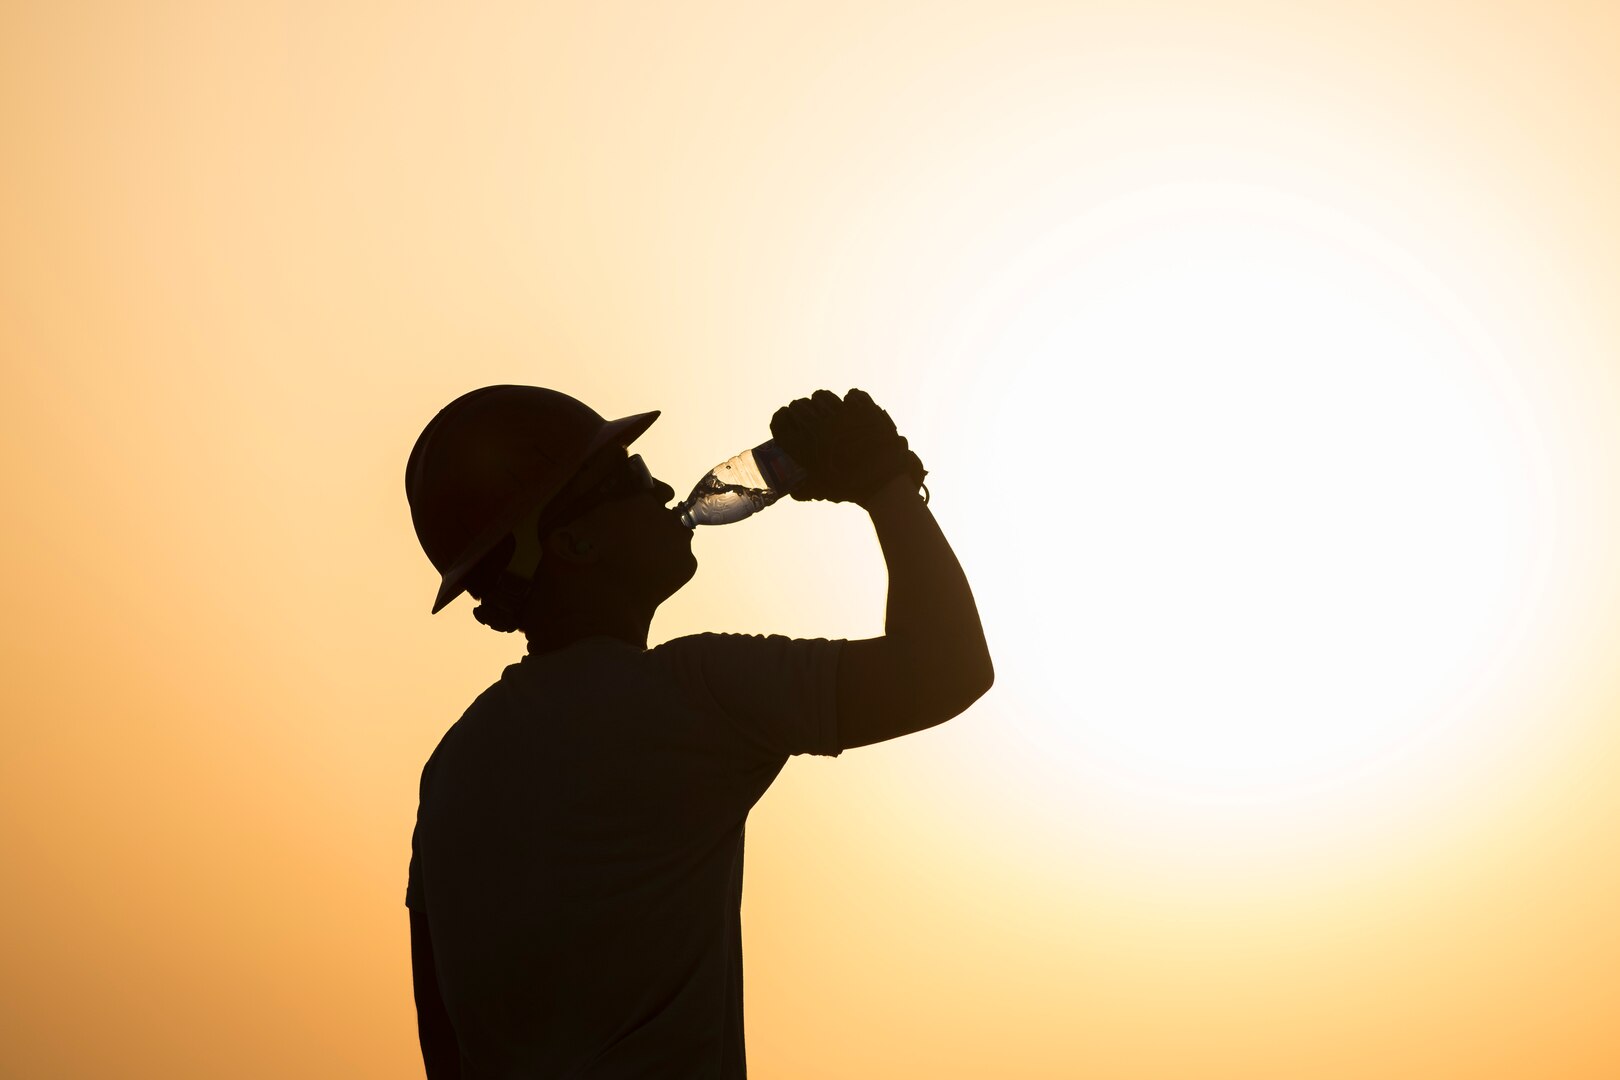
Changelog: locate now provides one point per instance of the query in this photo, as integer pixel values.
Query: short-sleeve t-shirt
(578, 849)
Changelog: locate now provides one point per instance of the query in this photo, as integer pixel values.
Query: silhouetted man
(576, 869)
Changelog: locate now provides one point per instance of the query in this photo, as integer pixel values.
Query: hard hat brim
(621, 432)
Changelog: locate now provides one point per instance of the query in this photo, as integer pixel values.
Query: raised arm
(932, 661)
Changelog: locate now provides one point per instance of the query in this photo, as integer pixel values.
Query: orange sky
(1263, 355)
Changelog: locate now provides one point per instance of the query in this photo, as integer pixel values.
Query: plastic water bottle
(738, 487)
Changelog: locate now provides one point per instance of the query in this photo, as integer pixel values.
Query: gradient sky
(1264, 359)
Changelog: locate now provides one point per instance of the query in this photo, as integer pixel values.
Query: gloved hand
(848, 448)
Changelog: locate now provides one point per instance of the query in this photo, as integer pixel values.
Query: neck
(561, 629)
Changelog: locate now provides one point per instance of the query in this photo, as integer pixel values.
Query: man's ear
(570, 544)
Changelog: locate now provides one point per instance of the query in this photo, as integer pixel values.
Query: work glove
(848, 448)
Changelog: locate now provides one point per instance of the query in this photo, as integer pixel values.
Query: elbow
(979, 678)
(944, 686)
(984, 672)
(986, 679)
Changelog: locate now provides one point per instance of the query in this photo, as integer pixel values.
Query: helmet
(490, 461)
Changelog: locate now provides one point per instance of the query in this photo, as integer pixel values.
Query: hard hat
(492, 459)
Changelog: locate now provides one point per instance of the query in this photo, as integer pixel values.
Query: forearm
(931, 620)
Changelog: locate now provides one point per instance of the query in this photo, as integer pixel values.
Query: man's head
(609, 548)
(510, 485)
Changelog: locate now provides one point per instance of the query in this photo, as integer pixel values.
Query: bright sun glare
(1268, 498)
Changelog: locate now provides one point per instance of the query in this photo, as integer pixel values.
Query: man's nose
(665, 492)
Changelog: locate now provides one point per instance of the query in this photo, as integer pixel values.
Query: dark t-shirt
(578, 850)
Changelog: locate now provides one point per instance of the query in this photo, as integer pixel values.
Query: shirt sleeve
(778, 693)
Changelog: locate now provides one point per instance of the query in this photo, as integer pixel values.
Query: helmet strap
(502, 609)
